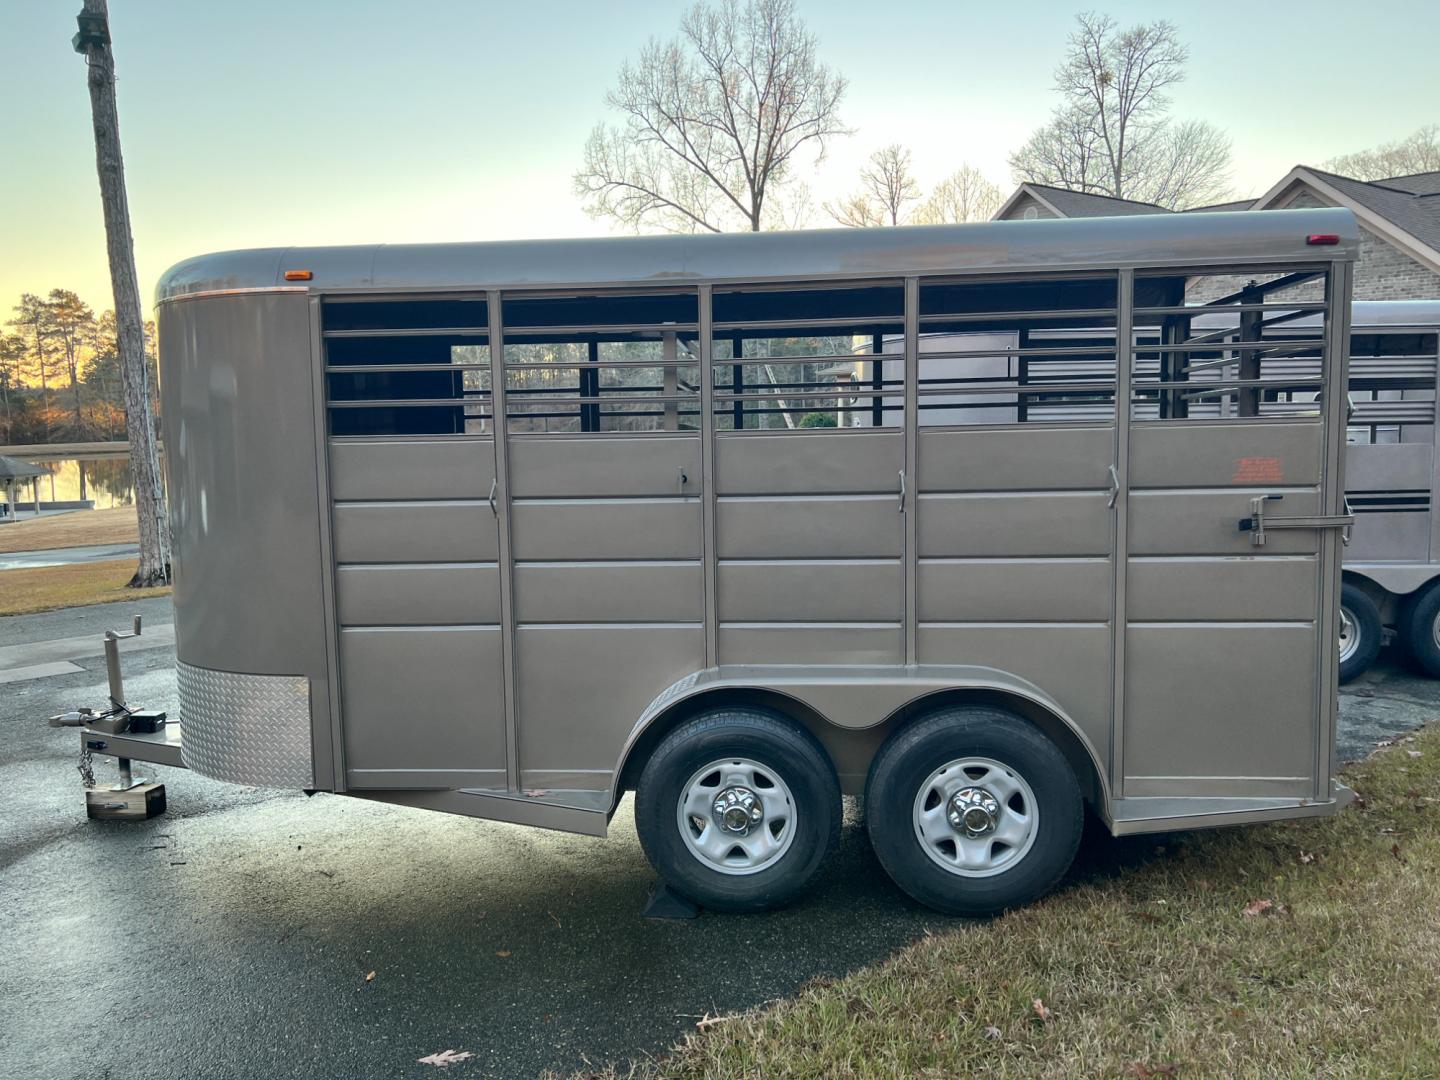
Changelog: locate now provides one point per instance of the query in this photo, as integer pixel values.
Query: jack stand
(664, 903)
(132, 799)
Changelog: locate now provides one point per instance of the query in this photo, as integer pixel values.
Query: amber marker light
(298, 275)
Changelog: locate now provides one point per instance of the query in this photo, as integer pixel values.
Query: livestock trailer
(510, 529)
(1391, 582)
(1392, 566)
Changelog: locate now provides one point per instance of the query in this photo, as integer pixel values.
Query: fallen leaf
(993, 1033)
(1395, 850)
(445, 1058)
(370, 977)
(1263, 907)
(503, 953)
(1045, 1014)
(1306, 857)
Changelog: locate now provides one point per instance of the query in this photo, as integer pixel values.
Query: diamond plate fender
(246, 729)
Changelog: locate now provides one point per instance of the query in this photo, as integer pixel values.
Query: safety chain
(87, 771)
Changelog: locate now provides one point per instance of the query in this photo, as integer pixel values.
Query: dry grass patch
(117, 525)
(1296, 949)
(45, 588)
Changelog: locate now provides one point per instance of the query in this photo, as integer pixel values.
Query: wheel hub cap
(972, 811)
(737, 810)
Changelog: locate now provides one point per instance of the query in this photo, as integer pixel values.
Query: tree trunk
(154, 566)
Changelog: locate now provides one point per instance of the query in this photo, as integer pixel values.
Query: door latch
(1114, 486)
(901, 507)
(1257, 522)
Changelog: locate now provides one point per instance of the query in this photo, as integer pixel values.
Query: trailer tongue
(128, 735)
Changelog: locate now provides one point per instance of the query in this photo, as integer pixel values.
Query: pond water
(108, 480)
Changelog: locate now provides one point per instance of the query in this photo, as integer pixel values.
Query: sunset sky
(273, 122)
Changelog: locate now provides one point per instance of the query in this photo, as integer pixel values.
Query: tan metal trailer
(508, 529)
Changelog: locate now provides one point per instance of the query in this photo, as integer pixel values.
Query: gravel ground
(235, 936)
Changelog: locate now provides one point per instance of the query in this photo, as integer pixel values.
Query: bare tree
(93, 41)
(1112, 135)
(711, 121)
(964, 195)
(1417, 153)
(886, 191)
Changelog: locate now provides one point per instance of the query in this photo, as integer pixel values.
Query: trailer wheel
(737, 808)
(972, 810)
(1422, 630)
(1360, 632)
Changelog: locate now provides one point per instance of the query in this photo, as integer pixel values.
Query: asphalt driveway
(234, 937)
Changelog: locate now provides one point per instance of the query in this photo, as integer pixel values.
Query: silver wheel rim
(975, 817)
(1435, 630)
(730, 793)
(1350, 635)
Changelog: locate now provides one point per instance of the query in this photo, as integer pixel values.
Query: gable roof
(1403, 209)
(1425, 183)
(1220, 208)
(1063, 202)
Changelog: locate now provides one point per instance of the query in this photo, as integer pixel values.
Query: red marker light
(298, 275)
(1322, 239)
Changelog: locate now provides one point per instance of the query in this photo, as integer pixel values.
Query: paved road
(232, 937)
(19, 560)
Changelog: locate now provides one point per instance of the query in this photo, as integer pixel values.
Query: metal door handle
(1114, 486)
(901, 507)
(493, 485)
(684, 479)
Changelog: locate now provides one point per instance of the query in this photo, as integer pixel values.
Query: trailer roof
(816, 254)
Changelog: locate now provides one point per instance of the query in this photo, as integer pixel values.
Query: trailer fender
(857, 700)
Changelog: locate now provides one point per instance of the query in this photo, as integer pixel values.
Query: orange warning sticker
(1258, 470)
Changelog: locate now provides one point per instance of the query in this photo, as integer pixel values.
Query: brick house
(1399, 222)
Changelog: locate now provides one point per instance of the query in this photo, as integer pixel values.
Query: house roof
(1405, 208)
(1417, 214)
(1221, 208)
(1091, 204)
(1079, 204)
(1425, 183)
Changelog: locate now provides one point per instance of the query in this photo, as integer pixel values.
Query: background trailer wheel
(1421, 627)
(1360, 632)
(736, 809)
(972, 810)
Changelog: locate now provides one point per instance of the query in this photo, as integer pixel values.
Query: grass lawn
(44, 588)
(113, 526)
(1296, 949)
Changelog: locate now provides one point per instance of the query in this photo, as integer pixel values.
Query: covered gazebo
(13, 472)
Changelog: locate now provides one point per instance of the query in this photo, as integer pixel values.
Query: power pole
(93, 42)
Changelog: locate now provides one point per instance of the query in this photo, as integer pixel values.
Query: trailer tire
(1360, 632)
(972, 810)
(737, 808)
(1422, 625)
